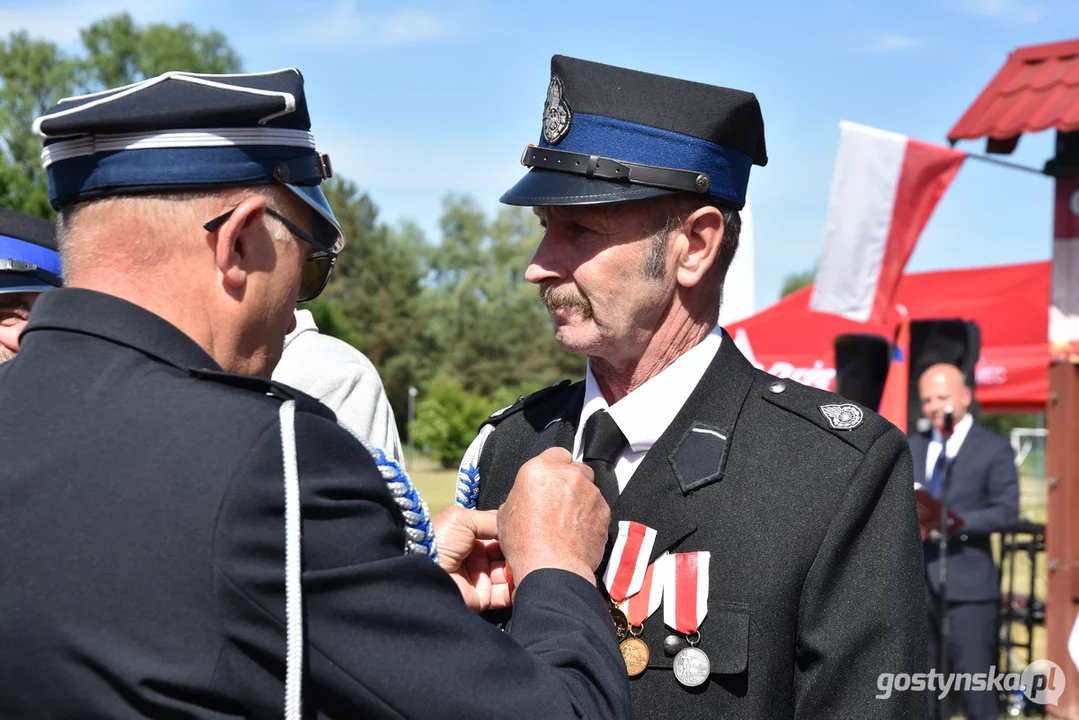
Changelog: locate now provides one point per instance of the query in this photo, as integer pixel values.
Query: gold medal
(635, 654)
(621, 625)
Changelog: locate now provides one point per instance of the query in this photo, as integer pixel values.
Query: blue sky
(414, 100)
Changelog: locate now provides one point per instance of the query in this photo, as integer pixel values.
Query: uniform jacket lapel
(560, 431)
(689, 455)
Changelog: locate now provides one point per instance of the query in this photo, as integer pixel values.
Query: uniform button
(963, 537)
(777, 387)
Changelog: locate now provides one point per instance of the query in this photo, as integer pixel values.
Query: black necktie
(603, 443)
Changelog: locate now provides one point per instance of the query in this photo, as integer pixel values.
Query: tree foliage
(35, 74)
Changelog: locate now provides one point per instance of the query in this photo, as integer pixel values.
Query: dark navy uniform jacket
(816, 577)
(142, 553)
(984, 490)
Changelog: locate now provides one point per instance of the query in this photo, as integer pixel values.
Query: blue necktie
(936, 480)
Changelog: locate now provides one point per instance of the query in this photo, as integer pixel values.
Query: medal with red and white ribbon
(626, 569)
(685, 605)
(638, 608)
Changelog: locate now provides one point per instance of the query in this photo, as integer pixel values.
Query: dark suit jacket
(816, 572)
(984, 489)
(142, 553)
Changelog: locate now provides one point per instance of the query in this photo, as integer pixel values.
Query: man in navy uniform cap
(781, 532)
(29, 265)
(200, 541)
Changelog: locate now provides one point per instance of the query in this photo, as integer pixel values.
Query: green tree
(119, 52)
(377, 285)
(486, 320)
(35, 74)
(447, 418)
(796, 281)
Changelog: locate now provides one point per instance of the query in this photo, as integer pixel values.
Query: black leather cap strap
(594, 166)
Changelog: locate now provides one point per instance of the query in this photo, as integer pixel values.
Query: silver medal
(691, 667)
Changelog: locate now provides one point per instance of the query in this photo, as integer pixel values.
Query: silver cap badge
(557, 116)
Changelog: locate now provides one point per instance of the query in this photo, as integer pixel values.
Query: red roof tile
(1037, 89)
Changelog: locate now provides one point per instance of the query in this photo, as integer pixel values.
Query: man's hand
(554, 517)
(468, 550)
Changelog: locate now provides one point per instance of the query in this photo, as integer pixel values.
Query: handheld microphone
(949, 422)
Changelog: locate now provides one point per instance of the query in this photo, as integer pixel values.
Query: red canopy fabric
(1010, 304)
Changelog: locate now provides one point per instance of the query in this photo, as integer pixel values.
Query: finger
(485, 524)
(558, 455)
(500, 596)
(588, 472)
(494, 550)
(498, 573)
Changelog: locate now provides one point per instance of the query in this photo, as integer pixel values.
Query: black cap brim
(550, 188)
(22, 282)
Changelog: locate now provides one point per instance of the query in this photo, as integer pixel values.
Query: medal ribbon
(646, 601)
(686, 591)
(629, 560)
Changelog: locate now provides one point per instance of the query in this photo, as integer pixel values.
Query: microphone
(949, 423)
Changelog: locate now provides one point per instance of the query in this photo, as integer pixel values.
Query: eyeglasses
(316, 267)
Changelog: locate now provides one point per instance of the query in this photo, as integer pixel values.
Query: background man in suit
(29, 265)
(983, 488)
(804, 501)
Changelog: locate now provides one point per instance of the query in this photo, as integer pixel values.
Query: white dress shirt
(645, 413)
(959, 434)
(343, 379)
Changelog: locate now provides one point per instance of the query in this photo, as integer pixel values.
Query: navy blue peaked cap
(615, 135)
(186, 131)
(28, 258)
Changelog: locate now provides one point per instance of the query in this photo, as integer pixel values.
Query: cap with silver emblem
(186, 131)
(614, 135)
(28, 258)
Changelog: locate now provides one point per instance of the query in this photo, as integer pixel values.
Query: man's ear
(702, 233)
(232, 250)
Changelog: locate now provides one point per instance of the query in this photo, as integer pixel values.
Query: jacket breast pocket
(724, 639)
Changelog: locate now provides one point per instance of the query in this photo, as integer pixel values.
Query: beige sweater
(343, 379)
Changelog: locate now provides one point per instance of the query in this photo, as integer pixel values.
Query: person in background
(342, 378)
(29, 266)
(983, 488)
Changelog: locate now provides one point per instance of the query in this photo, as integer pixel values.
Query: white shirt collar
(304, 321)
(645, 413)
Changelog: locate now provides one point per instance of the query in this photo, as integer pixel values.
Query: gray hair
(674, 217)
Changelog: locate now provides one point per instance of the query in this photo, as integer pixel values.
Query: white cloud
(344, 24)
(61, 21)
(888, 42)
(1019, 11)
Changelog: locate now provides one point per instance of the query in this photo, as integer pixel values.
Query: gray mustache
(562, 298)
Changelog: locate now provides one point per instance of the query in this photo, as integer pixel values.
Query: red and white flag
(884, 189)
(629, 560)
